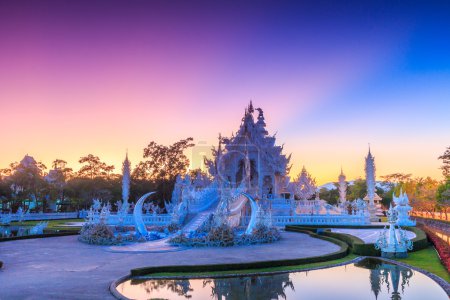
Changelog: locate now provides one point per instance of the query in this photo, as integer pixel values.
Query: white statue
(402, 207)
(392, 242)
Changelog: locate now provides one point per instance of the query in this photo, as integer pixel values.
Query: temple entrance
(241, 173)
(267, 186)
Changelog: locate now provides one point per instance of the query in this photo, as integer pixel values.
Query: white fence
(149, 219)
(330, 220)
(44, 216)
(321, 220)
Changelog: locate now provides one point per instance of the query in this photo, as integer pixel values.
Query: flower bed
(225, 236)
(441, 247)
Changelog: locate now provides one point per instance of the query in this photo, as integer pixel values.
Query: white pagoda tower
(126, 179)
(370, 181)
(342, 188)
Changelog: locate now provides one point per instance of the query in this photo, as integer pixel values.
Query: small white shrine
(403, 208)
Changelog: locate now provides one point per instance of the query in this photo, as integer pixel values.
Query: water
(369, 279)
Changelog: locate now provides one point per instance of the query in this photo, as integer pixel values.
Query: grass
(427, 259)
(53, 224)
(261, 270)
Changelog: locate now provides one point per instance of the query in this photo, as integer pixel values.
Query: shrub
(225, 236)
(97, 234)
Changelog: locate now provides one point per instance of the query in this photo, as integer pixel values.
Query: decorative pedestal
(393, 242)
(372, 212)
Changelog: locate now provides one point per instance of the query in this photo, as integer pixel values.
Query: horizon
(331, 78)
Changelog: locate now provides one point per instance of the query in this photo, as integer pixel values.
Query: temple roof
(375, 197)
(253, 136)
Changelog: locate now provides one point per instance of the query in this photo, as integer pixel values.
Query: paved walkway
(63, 268)
(368, 235)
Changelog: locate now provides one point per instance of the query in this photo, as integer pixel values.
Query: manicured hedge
(420, 241)
(342, 252)
(357, 246)
(337, 226)
(38, 236)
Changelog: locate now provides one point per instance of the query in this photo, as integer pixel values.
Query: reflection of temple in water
(385, 274)
(227, 288)
(181, 287)
(251, 287)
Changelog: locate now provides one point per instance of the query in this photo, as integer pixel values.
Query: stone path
(368, 235)
(63, 268)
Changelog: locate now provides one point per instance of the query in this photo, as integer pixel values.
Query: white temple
(249, 183)
(267, 173)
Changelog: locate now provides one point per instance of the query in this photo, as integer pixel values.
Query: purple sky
(79, 77)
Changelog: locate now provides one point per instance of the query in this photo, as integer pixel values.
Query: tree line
(425, 193)
(31, 185)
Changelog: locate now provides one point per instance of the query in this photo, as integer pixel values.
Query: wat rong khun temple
(247, 214)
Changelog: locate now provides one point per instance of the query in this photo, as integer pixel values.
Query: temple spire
(370, 181)
(126, 170)
(342, 187)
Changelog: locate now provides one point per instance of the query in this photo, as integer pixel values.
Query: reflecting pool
(368, 279)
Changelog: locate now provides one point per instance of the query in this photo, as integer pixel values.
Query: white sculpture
(392, 242)
(141, 229)
(5, 219)
(402, 207)
(38, 228)
(20, 214)
(304, 187)
(97, 205)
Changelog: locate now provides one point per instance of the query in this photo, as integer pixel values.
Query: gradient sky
(100, 77)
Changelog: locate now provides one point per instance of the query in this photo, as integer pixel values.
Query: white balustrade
(316, 220)
(44, 216)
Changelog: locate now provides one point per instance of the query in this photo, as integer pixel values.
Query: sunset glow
(104, 79)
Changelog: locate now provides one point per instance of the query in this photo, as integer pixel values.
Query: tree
(94, 167)
(27, 183)
(162, 164)
(445, 163)
(357, 190)
(57, 179)
(331, 196)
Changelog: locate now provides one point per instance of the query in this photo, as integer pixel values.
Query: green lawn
(263, 270)
(428, 260)
(53, 224)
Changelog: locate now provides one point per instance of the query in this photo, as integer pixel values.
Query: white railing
(149, 219)
(44, 216)
(316, 220)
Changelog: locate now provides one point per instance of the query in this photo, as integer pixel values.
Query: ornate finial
(250, 107)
